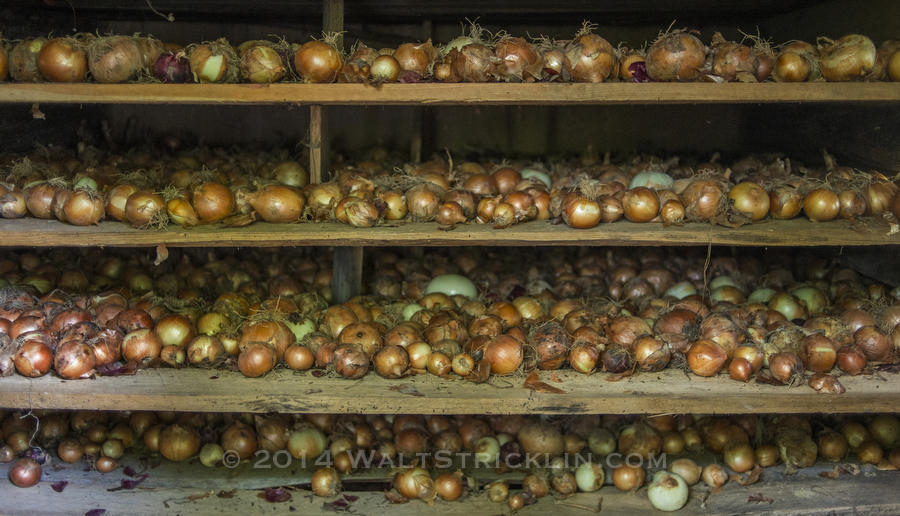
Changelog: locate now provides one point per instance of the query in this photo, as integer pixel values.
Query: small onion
(627, 477)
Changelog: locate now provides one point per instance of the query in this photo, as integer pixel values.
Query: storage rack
(669, 391)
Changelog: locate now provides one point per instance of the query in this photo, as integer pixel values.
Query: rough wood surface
(449, 94)
(192, 489)
(670, 391)
(318, 144)
(795, 232)
(347, 273)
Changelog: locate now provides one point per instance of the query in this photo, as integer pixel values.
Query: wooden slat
(283, 391)
(797, 232)
(449, 94)
(192, 489)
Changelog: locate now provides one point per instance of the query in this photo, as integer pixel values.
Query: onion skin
(821, 205)
(262, 64)
(590, 58)
(278, 204)
(23, 60)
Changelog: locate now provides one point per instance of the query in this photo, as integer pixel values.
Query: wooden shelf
(449, 94)
(29, 232)
(193, 489)
(669, 391)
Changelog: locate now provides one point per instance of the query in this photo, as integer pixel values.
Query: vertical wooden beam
(346, 272)
(318, 144)
(419, 113)
(346, 276)
(333, 19)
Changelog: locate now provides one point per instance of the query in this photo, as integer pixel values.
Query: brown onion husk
(676, 56)
(23, 60)
(851, 57)
(84, 207)
(213, 62)
(150, 49)
(114, 59)
(704, 199)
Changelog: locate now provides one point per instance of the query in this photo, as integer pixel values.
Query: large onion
(677, 56)
(318, 62)
(114, 59)
(590, 58)
(851, 57)
(62, 60)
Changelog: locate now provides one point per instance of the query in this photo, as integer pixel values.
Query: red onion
(173, 67)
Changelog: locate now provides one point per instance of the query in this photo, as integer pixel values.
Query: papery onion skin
(114, 59)
(851, 57)
(678, 56)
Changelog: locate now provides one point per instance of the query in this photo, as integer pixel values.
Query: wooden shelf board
(669, 391)
(29, 232)
(449, 94)
(193, 489)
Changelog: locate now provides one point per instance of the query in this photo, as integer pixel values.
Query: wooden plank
(669, 391)
(198, 490)
(449, 94)
(346, 276)
(30, 232)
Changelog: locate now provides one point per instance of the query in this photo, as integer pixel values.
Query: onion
(178, 443)
(350, 361)
(706, 358)
(750, 200)
(449, 486)
(114, 59)
(277, 203)
(291, 173)
(703, 199)
(141, 346)
(150, 49)
(541, 439)
(172, 67)
(318, 62)
(39, 199)
(627, 477)
(784, 366)
(687, 469)
(23, 60)
(175, 330)
(818, 353)
(589, 57)
(384, 68)
(518, 60)
(240, 439)
(70, 451)
(12, 205)
(211, 455)
(879, 196)
(832, 445)
(473, 63)
(869, 452)
(256, 360)
(874, 344)
(25, 473)
(797, 61)
(414, 57)
(74, 359)
(885, 429)
(851, 57)
(325, 482)
(145, 209)
(106, 464)
(767, 455)
(306, 443)
(213, 62)
(505, 354)
(62, 60)
(667, 491)
(33, 357)
(415, 483)
(785, 202)
(714, 475)
(640, 439)
(740, 457)
(640, 204)
(677, 56)
(212, 202)
(851, 360)
(261, 64)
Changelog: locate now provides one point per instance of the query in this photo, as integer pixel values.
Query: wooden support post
(419, 113)
(318, 144)
(346, 272)
(333, 19)
(346, 275)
